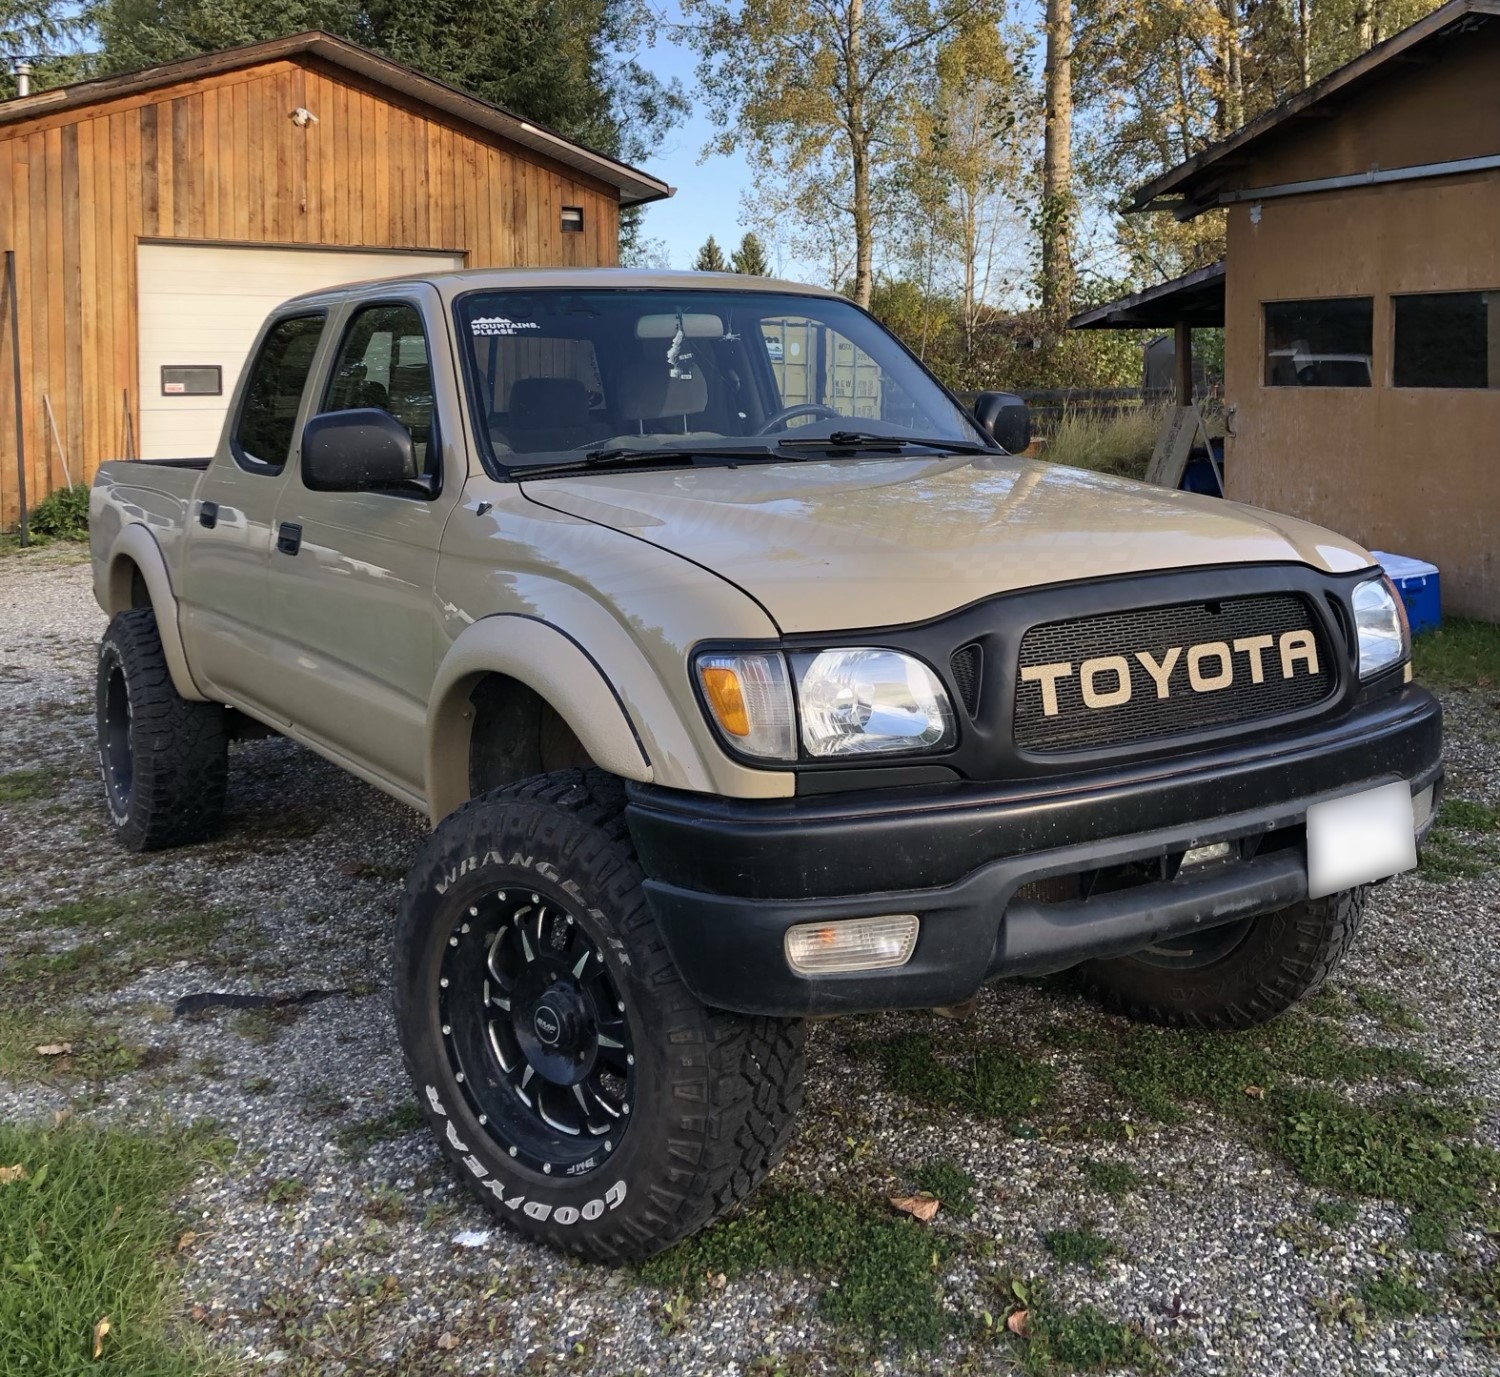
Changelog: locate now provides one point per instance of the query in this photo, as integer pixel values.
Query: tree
(1057, 208)
(44, 33)
(710, 258)
(750, 257)
(814, 91)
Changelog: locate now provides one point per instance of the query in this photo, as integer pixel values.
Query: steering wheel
(787, 413)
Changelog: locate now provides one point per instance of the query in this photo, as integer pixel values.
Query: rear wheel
(164, 760)
(579, 1088)
(1236, 976)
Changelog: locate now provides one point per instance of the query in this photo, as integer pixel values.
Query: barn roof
(1192, 186)
(1196, 298)
(634, 185)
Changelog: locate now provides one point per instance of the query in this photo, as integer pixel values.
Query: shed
(1362, 298)
(156, 217)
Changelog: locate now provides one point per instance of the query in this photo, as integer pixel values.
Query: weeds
(992, 1082)
(1059, 1341)
(63, 514)
(1391, 1013)
(1461, 842)
(359, 1138)
(1111, 1178)
(1396, 1294)
(1119, 445)
(1079, 1247)
(953, 1186)
(1459, 654)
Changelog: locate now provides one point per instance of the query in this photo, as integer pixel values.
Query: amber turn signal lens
(727, 699)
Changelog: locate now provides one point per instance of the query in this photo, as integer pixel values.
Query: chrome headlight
(865, 701)
(857, 701)
(1381, 626)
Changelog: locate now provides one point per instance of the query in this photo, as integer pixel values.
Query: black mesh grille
(966, 664)
(1156, 631)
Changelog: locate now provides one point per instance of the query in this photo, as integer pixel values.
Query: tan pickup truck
(744, 676)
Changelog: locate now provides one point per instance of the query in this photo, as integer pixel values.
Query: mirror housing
(349, 451)
(1005, 418)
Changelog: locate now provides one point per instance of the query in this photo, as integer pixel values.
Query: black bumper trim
(726, 878)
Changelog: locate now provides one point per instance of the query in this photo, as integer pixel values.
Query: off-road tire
(1282, 958)
(715, 1094)
(163, 759)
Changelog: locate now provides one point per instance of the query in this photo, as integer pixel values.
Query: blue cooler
(1417, 582)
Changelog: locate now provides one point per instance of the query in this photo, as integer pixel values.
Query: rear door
(353, 573)
(225, 610)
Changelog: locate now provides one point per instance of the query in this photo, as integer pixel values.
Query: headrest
(543, 402)
(647, 390)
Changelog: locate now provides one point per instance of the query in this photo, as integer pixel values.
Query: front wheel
(585, 1095)
(1236, 976)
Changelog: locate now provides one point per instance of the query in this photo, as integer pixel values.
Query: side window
(268, 413)
(816, 366)
(383, 363)
(1319, 343)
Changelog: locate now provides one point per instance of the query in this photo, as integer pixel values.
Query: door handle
(289, 537)
(208, 514)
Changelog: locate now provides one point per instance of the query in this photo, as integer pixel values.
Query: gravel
(378, 1262)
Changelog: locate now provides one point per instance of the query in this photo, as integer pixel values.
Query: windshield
(554, 374)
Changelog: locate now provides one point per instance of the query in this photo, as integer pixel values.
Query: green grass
(1060, 1342)
(1462, 842)
(1119, 445)
(1111, 1178)
(26, 786)
(358, 1138)
(953, 1186)
(1079, 1247)
(990, 1082)
(885, 1266)
(1459, 654)
(1395, 1293)
(89, 1234)
(1337, 1214)
(1392, 1014)
(62, 514)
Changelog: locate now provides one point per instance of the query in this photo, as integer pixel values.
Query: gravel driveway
(1173, 1203)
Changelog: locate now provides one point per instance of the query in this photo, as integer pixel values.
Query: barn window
(1319, 343)
(1447, 339)
(572, 219)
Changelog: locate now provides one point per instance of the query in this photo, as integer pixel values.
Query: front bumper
(727, 877)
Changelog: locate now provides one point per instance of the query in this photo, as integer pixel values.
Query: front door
(353, 573)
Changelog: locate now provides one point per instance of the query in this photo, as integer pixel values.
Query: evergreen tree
(710, 258)
(750, 257)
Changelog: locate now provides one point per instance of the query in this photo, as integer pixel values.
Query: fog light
(1205, 855)
(852, 944)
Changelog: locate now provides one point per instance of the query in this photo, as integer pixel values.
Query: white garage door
(200, 308)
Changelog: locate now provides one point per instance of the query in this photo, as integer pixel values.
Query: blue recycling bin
(1420, 587)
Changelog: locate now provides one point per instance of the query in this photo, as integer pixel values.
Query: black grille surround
(1145, 715)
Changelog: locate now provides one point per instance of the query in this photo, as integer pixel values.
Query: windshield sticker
(680, 360)
(501, 325)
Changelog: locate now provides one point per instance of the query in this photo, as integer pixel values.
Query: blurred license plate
(1359, 838)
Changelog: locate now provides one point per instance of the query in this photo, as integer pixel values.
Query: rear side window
(268, 413)
(383, 363)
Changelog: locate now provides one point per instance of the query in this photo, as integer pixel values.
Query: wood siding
(221, 160)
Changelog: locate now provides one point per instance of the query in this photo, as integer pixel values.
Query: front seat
(547, 414)
(648, 392)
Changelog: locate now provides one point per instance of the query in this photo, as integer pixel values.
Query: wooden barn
(156, 217)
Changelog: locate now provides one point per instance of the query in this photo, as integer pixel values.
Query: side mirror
(348, 451)
(1005, 418)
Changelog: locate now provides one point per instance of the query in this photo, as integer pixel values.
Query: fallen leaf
(923, 1205)
(1255, 1092)
(60, 1117)
(1017, 1322)
(446, 1341)
(9, 1174)
(717, 1280)
(199, 1313)
(54, 1049)
(100, 1330)
(186, 1241)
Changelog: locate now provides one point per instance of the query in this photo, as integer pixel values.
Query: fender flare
(135, 545)
(550, 663)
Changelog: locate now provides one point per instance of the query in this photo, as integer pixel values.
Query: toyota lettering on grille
(1111, 681)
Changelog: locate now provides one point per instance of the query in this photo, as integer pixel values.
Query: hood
(840, 544)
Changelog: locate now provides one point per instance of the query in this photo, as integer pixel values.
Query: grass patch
(25, 786)
(1111, 1178)
(1120, 445)
(88, 1234)
(96, 1050)
(1461, 841)
(953, 1186)
(62, 515)
(1392, 1014)
(1337, 1214)
(1079, 1247)
(884, 1266)
(1060, 1341)
(990, 1082)
(1459, 654)
(359, 1138)
(1395, 1293)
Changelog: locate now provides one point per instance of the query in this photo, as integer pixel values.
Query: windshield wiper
(872, 440)
(622, 456)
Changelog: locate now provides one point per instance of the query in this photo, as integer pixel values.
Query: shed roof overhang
(635, 186)
(1195, 298)
(1199, 184)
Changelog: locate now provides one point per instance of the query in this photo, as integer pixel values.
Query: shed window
(1321, 343)
(1447, 339)
(572, 219)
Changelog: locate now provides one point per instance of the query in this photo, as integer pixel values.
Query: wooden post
(15, 356)
(1182, 363)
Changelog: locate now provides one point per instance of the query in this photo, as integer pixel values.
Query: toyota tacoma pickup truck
(745, 676)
